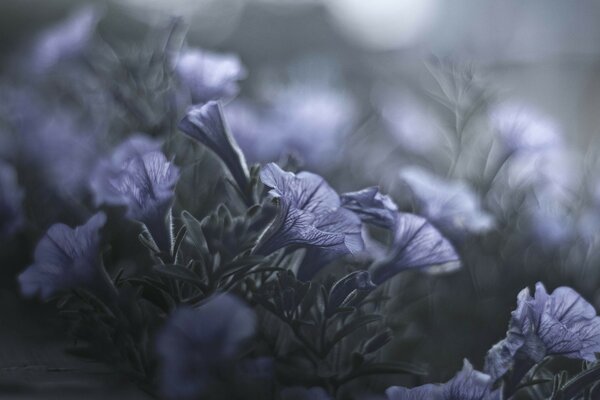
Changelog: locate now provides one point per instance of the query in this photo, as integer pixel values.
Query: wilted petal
(209, 76)
(67, 258)
(417, 244)
(206, 124)
(67, 39)
(371, 206)
(452, 206)
(197, 343)
(11, 197)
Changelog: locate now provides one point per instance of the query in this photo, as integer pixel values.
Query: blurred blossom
(560, 324)
(522, 129)
(451, 205)
(11, 197)
(551, 222)
(209, 76)
(64, 40)
(206, 124)
(198, 344)
(468, 384)
(410, 124)
(302, 393)
(138, 176)
(310, 214)
(307, 119)
(67, 258)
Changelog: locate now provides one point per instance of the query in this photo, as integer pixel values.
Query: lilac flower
(416, 244)
(521, 129)
(138, 176)
(452, 206)
(206, 124)
(11, 196)
(197, 344)
(64, 40)
(309, 215)
(372, 206)
(209, 76)
(67, 258)
(302, 393)
(559, 324)
(301, 119)
(468, 384)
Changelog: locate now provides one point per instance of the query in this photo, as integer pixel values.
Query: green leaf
(178, 272)
(354, 325)
(195, 233)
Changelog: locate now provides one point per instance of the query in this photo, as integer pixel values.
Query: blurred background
(359, 90)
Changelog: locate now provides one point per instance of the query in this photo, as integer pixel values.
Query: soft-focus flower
(11, 196)
(468, 384)
(64, 40)
(305, 120)
(371, 206)
(416, 245)
(197, 344)
(452, 206)
(560, 324)
(67, 258)
(209, 76)
(138, 176)
(206, 124)
(310, 214)
(521, 129)
(302, 393)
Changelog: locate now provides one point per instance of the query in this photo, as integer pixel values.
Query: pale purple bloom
(11, 197)
(522, 129)
(303, 393)
(206, 124)
(310, 215)
(371, 206)
(209, 76)
(559, 324)
(67, 258)
(197, 344)
(139, 177)
(64, 40)
(416, 245)
(452, 206)
(468, 384)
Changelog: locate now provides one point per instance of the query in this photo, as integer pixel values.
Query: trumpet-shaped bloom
(309, 215)
(138, 176)
(65, 40)
(206, 124)
(452, 206)
(468, 384)
(11, 196)
(197, 344)
(561, 323)
(209, 76)
(371, 206)
(67, 258)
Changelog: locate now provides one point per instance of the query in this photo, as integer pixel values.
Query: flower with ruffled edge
(209, 76)
(11, 197)
(67, 258)
(451, 205)
(139, 177)
(198, 344)
(558, 324)
(310, 215)
(206, 124)
(467, 384)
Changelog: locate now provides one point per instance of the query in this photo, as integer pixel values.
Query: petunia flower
(11, 197)
(558, 324)
(206, 124)
(371, 206)
(196, 344)
(139, 177)
(67, 258)
(209, 76)
(467, 384)
(451, 205)
(310, 215)
(64, 40)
